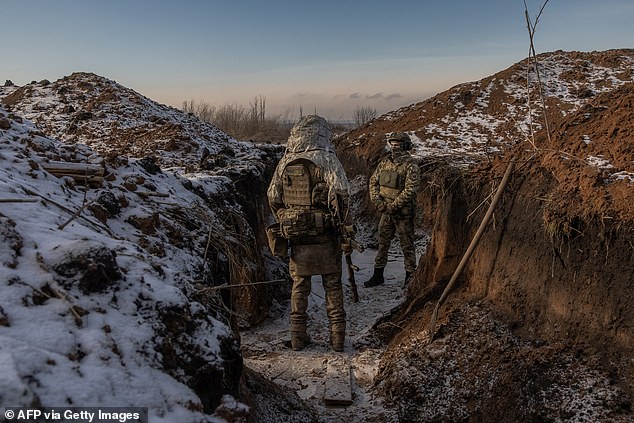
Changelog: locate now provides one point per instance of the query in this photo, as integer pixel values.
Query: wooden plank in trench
(338, 386)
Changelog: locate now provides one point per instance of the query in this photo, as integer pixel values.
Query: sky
(329, 57)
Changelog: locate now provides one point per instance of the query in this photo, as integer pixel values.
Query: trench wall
(557, 282)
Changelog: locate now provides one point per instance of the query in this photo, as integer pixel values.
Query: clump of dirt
(10, 242)
(95, 269)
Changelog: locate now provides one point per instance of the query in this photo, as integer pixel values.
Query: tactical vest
(391, 183)
(298, 183)
(305, 196)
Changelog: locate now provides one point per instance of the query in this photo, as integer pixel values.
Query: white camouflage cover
(310, 139)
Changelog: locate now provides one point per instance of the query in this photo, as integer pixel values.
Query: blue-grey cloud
(392, 96)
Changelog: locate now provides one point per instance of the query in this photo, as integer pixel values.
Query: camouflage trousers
(388, 226)
(334, 301)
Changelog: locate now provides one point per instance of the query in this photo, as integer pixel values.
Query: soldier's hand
(381, 206)
(346, 248)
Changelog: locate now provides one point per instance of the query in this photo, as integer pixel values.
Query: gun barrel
(351, 279)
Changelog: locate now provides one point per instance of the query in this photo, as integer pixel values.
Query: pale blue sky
(328, 55)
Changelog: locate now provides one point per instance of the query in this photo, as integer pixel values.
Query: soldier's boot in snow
(336, 340)
(299, 340)
(376, 279)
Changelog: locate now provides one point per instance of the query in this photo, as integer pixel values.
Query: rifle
(351, 280)
(354, 245)
(347, 238)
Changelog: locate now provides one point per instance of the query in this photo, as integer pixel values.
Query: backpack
(305, 197)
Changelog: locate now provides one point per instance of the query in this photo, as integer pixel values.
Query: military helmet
(401, 137)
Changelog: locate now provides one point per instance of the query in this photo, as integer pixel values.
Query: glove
(346, 248)
(380, 206)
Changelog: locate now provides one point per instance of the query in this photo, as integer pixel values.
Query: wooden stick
(72, 167)
(74, 216)
(474, 242)
(19, 200)
(72, 212)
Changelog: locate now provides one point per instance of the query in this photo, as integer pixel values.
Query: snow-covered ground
(67, 344)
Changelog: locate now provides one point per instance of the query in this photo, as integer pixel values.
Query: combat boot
(336, 340)
(376, 279)
(299, 340)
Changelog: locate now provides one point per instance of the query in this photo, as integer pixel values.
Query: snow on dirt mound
(104, 293)
(117, 121)
(476, 120)
(120, 124)
(592, 158)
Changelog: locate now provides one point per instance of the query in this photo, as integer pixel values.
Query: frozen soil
(479, 369)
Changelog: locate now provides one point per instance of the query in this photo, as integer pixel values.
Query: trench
(284, 385)
(533, 307)
(539, 323)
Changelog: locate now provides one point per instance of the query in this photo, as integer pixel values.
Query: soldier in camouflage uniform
(309, 196)
(393, 188)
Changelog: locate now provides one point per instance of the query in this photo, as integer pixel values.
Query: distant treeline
(244, 123)
(252, 123)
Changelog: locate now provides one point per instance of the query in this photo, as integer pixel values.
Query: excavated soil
(540, 325)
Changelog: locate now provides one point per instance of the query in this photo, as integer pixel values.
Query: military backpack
(305, 197)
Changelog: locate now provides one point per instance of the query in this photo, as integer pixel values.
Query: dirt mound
(185, 223)
(477, 120)
(119, 122)
(591, 156)
(122, 125)
(543, 310)
(108, 284)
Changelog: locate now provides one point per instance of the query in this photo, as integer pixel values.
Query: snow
(600, 162)
(60, 345)
(623, 176)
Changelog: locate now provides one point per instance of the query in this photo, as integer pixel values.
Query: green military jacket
(395, 181)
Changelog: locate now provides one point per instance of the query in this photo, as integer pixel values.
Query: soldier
(393, 188)
(309, 196)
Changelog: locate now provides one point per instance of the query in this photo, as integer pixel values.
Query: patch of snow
(600, 162)
(623, 176)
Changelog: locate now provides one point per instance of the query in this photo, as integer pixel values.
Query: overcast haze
(326, 55)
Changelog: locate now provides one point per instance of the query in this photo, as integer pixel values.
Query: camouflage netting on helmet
(310, 140)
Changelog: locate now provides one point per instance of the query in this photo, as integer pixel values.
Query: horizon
(327, 57)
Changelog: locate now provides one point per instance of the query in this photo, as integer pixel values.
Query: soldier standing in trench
(393, 188)
(309, 195)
